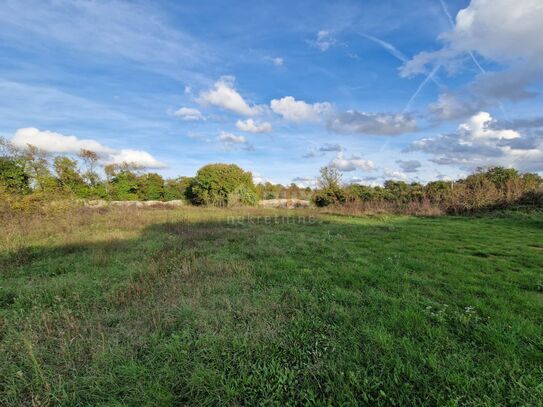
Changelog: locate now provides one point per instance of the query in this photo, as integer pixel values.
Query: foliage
(494, 188)
(69, 176)
(268, 190)
(330, 191)
(223, 185)
(151, 187)
(179, 188)
(48, 178)
(125, 186)
(13, 176)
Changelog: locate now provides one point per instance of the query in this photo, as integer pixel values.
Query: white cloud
(298, 110)
(351, 164)
(189, 114)
(251, 126)
(502, 31)
(479, 143)
(383, 124)
(224, 95)
(395, 175)
(137, 158)
(324, 40)
(499, 29)
(58, 143)
(450, 106)
(234, 142)
(231, 138)
(477, 127)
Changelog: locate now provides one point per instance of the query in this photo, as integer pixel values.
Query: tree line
(30, 176)
(486, 188)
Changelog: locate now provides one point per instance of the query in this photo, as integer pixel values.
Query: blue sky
(411, 90)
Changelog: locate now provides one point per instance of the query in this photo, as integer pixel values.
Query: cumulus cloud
(251, 126)
(298, 110)
(189, 114)
(395, 175)
(488, 89)
(381, 124)
(499, 29)
(59, 143)
(136, 158)
(232, 141)
(409, 165)
(478, 127)
(351, 164)
(231, 138)
(479, 142)
(451, 106)
(502, 31)
(56, 142)
(225, 96)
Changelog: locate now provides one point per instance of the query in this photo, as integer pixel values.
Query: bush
(13, 176)
(330, 191)
(326, 197)
(223, 185)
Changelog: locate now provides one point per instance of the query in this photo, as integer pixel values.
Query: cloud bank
(59, 143)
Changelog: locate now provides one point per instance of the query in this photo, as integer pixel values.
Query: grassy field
(169, 307)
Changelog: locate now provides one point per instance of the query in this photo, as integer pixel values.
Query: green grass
(171, 307)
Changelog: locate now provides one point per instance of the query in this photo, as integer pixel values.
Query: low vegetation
(486, 189)
(204, 306)
(30, 179)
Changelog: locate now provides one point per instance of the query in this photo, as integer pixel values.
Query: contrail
(421, 86)
(388, 46)
(402, 57)
(471, 54)
(451, 22)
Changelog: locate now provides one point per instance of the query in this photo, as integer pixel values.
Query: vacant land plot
(189, 306)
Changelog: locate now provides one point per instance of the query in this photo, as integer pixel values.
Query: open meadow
(201, 306)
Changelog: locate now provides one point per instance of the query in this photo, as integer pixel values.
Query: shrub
(151, 187)
(13, 176)
(223, 185)
(179, 188)
(330, 191)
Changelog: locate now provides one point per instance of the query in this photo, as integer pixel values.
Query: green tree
(223, 185)
(330, 191)
(125, 185)
(69, 176)
(13, 176)
(37, 168)
(178, 188)
(500, 176)
(90, 161)
(151, 187)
